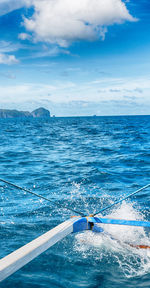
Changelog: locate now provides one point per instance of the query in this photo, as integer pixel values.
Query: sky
(75, 58)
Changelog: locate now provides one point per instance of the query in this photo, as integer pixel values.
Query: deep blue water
(84, 163)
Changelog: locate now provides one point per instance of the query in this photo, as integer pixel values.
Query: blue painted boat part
(122, 222)
(81, 224)
(86, 223)
(89, 223)
(97, 229)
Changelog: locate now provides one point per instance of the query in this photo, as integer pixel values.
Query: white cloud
(7, 6)
(64, 21)
(24, 36)
(6, 46)
(65, 91)
(46, 52)
(8, 59)
(34, 92)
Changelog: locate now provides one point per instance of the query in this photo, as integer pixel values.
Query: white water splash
(131, 261)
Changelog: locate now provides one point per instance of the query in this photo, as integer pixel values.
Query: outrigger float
(17, 259)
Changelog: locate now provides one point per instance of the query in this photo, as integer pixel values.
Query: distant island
(38, 113)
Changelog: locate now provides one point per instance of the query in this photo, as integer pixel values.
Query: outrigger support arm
(17, 259)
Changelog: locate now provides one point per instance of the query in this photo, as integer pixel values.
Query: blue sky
(75, 57)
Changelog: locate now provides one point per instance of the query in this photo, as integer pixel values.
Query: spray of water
(131, 261)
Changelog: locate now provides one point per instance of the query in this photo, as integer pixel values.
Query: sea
(86, 164)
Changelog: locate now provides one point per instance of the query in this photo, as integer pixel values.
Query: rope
(70, 209)
(40, 196)
(138, 246)
(119, 201)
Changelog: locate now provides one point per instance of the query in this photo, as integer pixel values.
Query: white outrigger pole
(17, 259)
(14, 261)
(25, 254)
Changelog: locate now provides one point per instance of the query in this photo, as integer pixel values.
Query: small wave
(130, 261)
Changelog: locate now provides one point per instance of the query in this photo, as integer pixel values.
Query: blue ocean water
(84, 163)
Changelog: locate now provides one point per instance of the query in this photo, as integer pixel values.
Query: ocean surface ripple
(84, 163)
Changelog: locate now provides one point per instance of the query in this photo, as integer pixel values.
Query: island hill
(38, 113)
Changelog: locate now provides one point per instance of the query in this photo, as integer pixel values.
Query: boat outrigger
(17, 259)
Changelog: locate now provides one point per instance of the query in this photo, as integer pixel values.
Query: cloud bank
(64, 21)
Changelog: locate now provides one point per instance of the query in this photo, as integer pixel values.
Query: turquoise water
(84, 163)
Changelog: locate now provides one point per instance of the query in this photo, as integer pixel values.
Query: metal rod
(119, 201)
